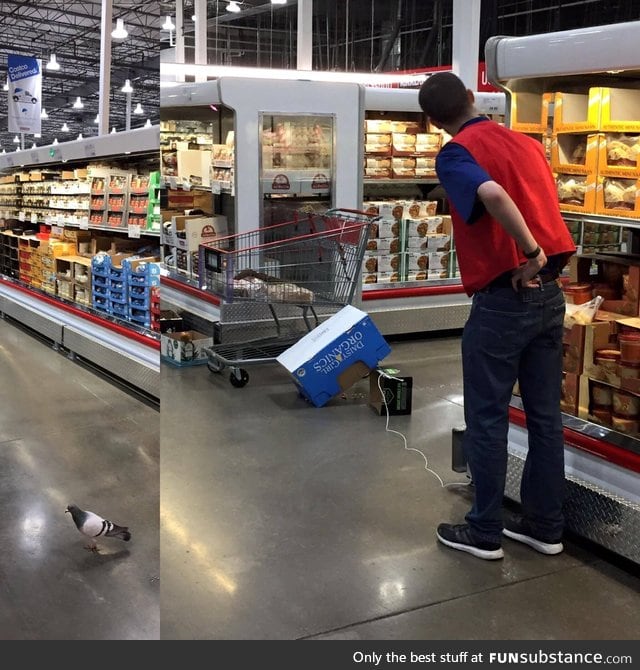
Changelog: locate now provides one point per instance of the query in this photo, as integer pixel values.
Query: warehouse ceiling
(375, 35)
(71, 31)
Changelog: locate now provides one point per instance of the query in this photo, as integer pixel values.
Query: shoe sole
(549, 549)
(486, 554)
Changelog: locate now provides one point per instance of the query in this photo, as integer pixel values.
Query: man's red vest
(517, 163)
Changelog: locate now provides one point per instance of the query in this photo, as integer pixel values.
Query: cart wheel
(215, 365)
(239, 378)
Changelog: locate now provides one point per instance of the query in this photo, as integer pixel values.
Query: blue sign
(25, 93)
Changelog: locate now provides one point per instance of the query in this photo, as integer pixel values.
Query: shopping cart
(311, 263)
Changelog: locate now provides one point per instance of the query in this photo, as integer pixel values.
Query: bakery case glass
(297, 165)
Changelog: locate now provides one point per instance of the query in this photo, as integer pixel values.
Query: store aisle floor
(280, 521)
(69, 436)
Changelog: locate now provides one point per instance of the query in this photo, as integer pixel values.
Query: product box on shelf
(335, 355)
(185, 348)
(390, 263)
(618, 197)
(403, 144)
(284, 183)
(187, 232)
(316, 183)
(570, 393)
(575, 153)
(384, 245)
(577, 112)
(619, 155)
(577, 193)
(416, 230)
(530, 111)
(378, 144)
(619, 109)
(573, 349)
(598, 336)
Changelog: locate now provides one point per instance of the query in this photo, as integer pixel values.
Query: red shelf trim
(411, 292)
(121, 330)
(608, 452)
(191, 290)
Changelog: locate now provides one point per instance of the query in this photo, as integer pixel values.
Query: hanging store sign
(25, 94)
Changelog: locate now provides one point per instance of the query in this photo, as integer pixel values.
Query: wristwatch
(533, 254)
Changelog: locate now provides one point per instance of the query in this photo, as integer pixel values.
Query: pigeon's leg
(93, 547)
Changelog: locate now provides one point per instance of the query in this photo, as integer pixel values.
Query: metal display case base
(603, 501)
(132, 361)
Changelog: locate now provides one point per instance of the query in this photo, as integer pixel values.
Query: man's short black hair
(443, 97)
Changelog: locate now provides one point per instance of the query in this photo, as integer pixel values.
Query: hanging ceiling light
(16, 140)
(113, 130)
(4, 151)
(65, 127)
(53, 63)
(37, 135)
(168, 24)
(233, 6)
(119, 33)
(6, 85)
(78, 104)
(34, 146)
(43, 114)
(55, 140)
(127, 88)
(80, 136)
(148, 123)
(138, 109)
(97, 119)
(278, 2)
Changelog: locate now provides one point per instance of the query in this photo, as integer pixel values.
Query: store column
(305, 35)
(200, 7)
(466, 41)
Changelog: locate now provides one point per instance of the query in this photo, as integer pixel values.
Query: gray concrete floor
(280, 521)
(69, 436)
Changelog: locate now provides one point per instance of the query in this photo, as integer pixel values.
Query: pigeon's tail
(119, 531)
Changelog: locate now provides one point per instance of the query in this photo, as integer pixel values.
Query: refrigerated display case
(291, 147)
(81, 224)
(299, 146)
(588, 81)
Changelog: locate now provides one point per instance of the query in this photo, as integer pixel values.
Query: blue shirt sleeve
(460, 176)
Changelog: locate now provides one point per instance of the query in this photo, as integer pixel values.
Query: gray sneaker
(521, 532)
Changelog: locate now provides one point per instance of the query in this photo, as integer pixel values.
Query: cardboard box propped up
(335, 355)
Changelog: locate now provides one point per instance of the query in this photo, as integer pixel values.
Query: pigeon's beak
(66, 511)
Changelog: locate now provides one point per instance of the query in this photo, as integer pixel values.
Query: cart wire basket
(312, 261)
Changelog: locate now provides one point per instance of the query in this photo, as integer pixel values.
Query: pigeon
(93, 526)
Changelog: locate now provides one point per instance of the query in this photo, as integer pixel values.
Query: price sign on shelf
(84, 223)
(173, 182)
(60, 219)
(134, 230)
(56, 231)
(21, 216)
(215, 187)
(34, 217)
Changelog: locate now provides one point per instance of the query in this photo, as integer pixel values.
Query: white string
(382, 374)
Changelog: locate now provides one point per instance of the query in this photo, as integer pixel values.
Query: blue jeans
(514, 335)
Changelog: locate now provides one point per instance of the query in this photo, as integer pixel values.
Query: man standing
(511, 244)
